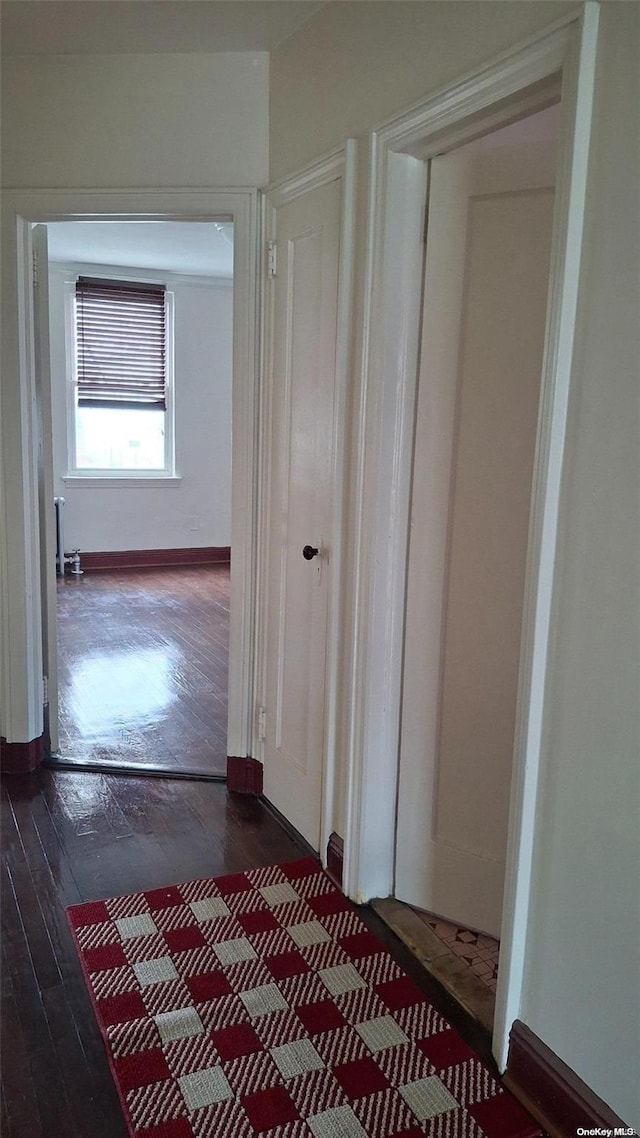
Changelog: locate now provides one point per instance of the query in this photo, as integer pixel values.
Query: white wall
(135, 120)
(583, 940)
(115, 518)
(355, 64)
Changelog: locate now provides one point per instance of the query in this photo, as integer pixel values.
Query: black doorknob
(309, 552)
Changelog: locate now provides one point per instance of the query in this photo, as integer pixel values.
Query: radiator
(63, 559)
(59, 505)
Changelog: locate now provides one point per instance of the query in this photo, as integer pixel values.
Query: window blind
(121, 343)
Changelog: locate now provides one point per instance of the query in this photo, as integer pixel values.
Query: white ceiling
(64, 27)
(197, 248)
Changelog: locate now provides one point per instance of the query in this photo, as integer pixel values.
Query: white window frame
(92, 476)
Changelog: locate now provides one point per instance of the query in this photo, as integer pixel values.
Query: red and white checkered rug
(260, 1004)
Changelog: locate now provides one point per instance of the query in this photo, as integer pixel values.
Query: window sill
(121, 482)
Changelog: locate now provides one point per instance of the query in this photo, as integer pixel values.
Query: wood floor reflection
(142, 658)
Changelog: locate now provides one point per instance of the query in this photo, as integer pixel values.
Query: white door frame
(339, 163)
(522, 80)
(20, 551)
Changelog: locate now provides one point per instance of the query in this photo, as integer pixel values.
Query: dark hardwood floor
(142, 659)
(75, 836)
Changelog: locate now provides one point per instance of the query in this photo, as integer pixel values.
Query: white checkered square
(307, 933)
(209, 909)
(263, 1001)
(234, 951)
(178, 1024)
(339, 1122)
(155, 971)
(341, 978)
(427, 1097)
(201, 1088)
(130, 927)
(281, 894)
(380, 1033)
(297, 1058)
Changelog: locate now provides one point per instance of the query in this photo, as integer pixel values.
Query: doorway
(486, 282)
(140, 320)
(26, 641)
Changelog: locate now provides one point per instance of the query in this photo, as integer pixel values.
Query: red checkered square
(320, 1017)
(297, 870)
(233, 883)
(104, 956)
(140, 1069)
(325, 903)
(92, 935)
(262, 921)
(163, 898)
(183, 938)
(120, 1009)
(445, 1049)
(239, 1039)
(268, 1109)
(92, 913)
(361, 944)
(401, 993)
(360, 1077)
(208, 986)
(287, 964)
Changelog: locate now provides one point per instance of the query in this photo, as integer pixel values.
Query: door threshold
(140, 770)
(447, 968)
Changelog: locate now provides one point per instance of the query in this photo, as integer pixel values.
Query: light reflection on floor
(132, 686)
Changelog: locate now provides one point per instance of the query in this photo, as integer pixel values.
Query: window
(122, 337)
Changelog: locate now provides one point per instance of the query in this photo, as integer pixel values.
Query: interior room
(139, 671)
(414, 662)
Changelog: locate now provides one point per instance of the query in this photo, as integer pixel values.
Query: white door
(45, 483)
(486, 279)
(301, 449)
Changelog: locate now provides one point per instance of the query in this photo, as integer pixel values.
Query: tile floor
(479, 951)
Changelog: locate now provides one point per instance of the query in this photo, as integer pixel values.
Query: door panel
(486, 277)
(300, 501)
(45, 482)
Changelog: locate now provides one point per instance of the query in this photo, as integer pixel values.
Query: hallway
(70, 837)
